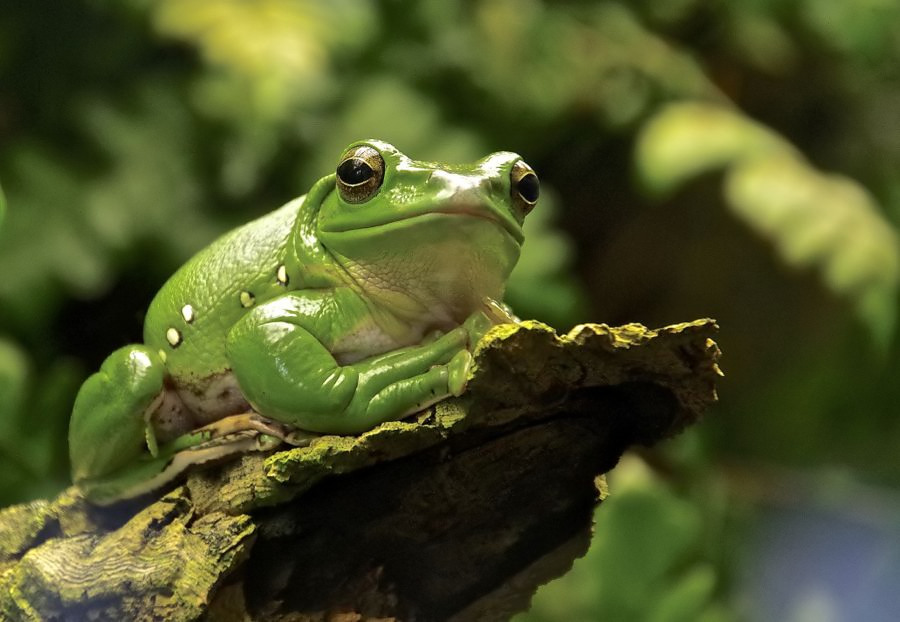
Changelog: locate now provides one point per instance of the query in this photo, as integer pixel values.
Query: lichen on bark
(457, 513)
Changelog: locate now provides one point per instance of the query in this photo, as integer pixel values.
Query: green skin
(324, 316)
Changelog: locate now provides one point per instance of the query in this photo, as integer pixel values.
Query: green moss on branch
(461, 511)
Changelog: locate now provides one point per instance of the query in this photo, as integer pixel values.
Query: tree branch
(458, 514)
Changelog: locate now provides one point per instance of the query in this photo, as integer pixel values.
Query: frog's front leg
(288, 374)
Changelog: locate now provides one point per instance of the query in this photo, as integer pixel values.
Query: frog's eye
(524, 186)
(360, 173)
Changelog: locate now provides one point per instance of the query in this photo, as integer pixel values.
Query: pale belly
(184, 408)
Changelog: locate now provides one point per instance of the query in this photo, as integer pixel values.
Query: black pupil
(529, 187)
(354, 171)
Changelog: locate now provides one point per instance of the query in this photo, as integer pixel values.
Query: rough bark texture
(457, 515)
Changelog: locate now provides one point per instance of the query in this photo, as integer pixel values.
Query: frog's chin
(447, 263)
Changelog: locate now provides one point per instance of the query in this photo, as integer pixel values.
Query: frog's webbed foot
(499, 312)
(491, 313)
(217, 441)
(249, 422)
(153, 472)
(235, 434)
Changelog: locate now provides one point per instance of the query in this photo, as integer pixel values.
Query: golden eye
(524, 187)
(360, 173)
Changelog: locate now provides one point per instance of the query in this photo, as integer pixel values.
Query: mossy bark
(458, 514)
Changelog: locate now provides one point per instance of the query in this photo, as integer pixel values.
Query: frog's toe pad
(300, 438)
(458, 372)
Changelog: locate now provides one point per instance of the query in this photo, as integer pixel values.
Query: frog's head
(445, 235)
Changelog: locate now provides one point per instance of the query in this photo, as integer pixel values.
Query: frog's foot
(253, 421)
(229, 436)
(498, 312)
(154, 472)
(217, 441)
(490, 314)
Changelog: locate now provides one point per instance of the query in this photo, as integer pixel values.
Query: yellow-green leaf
(815, 220)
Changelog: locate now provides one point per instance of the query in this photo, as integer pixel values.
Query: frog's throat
(431, 282)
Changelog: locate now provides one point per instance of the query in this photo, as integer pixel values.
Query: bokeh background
(738, 159)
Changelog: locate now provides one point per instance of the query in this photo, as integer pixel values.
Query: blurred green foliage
(647, 561)
(812, 219)
(734, 159)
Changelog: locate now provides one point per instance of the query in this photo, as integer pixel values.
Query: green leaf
(279, 51)
(688, 598)
(68, 232)
(864, 28)
(14, 462)
(33, 421)
(685, 140)
(815, 220)
(642, 564)
(827, 222)
(13, 378)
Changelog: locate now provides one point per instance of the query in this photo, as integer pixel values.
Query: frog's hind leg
(109, 426)
(233, 435)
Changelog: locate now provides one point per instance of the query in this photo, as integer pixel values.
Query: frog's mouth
(466, 210)
(510, 225)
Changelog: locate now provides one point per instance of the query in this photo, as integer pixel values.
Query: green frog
(355, 304)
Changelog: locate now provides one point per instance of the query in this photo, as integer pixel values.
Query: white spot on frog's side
(173, 337)
(247, 299)
(187, 312)
(162, 355)
(282, 275)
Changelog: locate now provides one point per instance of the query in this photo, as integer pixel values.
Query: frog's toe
(300, 438)
(458, 372)
(148, 474)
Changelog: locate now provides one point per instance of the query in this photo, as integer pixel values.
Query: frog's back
(190, 317)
